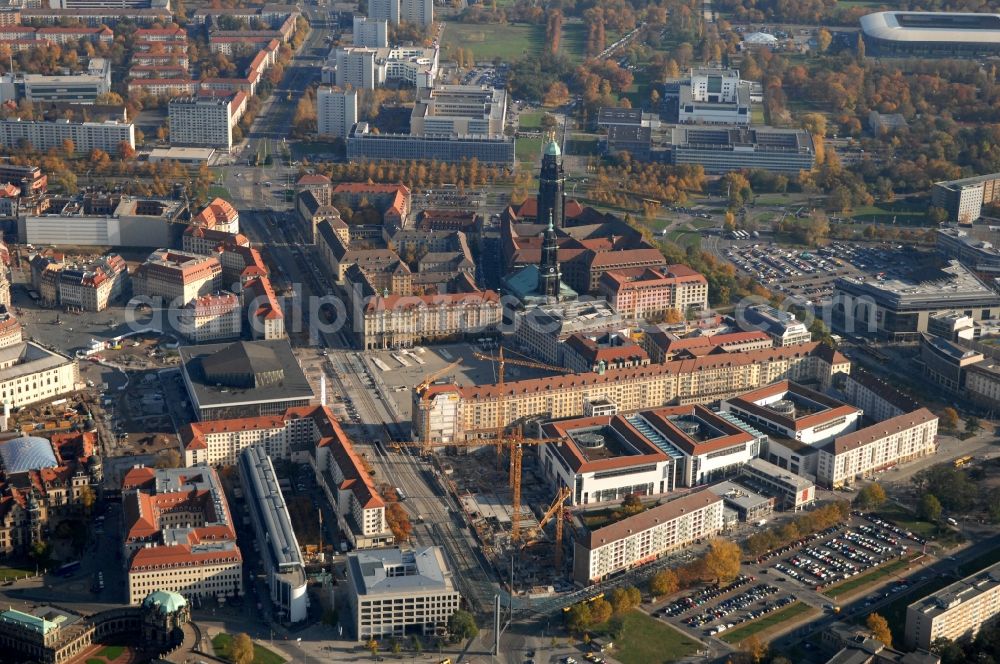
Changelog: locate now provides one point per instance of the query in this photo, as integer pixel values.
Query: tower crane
(556, 509)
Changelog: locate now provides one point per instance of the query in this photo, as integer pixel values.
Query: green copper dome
(165, 600)
(553, 149)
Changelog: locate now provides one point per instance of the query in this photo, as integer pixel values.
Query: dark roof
(241, 357)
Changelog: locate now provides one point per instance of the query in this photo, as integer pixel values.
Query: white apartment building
(202, 121)
(645, 536)
(367, 68)
(336, 111)
(393, 593)
(964, 199)
(956, 611)
(30, 373)
(420, 12)
(108, 136)
(370, 32)
(861, 454)
(212, 317)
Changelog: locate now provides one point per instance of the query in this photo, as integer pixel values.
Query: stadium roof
(933, 27)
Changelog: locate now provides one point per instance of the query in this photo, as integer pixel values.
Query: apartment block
(371, 33)
(336, 111)
(420, 12)
(203, 121)
(964, 199)
(396, 592)
(212, 317)
(956, 611)
(108, 136)
(637, 539)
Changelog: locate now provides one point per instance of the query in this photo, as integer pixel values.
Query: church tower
(549, 274)
(551, 186)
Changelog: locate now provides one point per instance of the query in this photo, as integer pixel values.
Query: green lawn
(885, 214)
(261, 655)
(864, 580)
(216, 191)
(507, 42)
(530, 120)
(111, 653)
(8, 573)
(528, 149)
(574, 41)
(757, 114)
(645, 640)
(907, 520)
(93, 660)
(767, 622)
(684, 238)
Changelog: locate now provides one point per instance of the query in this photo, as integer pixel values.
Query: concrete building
(604, 458)
(203, 121)
(946, 363)
(243, 379)
(371, 33)
(748, 506)
(600, 552)
(113, 220)
(362, 144)
(283, 565)
(367, 68)
(541, 330)
(977, 254)
(177, 277)
(931, 34)
(457, 412)
(30, 373)
(420, 12)
(964, 199)
(956, 611)
(178, 534)
(725, 149)
(899, 309)
(336, 111)
(459, 110)
(77, 89)
(396, 592)
(646, 293)
(211, 317)
(714, 96)
(792, 492)
(781, 326)
(108, 136)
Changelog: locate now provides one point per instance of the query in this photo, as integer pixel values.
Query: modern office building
(931, 34)
(396, 592)
(725, 149)
(279, 548)
(211, 317)
(243, 379)
(964, 199)
(203, 120)
(178, 534)
(336, 111)
(457, 412)
(178, 277)
(420, 12)
(792, 492)
(899, 309)
(541, 330)
(977, 254)
(619, 546)
(30, 373)
(646, 292)
(362, 144)
(77, 89)
(956, 611)
(782, 326)
(714, 96)
(367, 68)
(41, 135)
(371, 33)
(104, 220)
(603, 459)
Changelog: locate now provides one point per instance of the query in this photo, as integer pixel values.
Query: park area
(640, 639)
(507, 42)
(222, 644)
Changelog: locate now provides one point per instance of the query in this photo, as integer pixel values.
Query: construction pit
(483, 489)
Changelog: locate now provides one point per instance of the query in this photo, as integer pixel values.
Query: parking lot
(799, 571)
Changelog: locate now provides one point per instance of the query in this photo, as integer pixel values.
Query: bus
(68, 569)
(961, 461)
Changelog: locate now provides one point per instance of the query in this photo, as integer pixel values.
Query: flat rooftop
(396, 571)
(950, 283)
(263, 495)
(903, 26)
(739, 496)
(961, 591)
(28, 358)
(600, 442)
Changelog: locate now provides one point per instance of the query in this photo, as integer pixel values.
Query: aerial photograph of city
(500, 331)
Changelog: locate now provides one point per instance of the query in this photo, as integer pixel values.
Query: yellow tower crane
(425, 439)
(556, 510)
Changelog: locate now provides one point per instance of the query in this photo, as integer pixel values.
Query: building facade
(202, 121)
(336, 111)
(30, 373)
(176, 276)
(964, 199)
(647, 292)
(41, 135)
(956, 611)
(212, 317)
